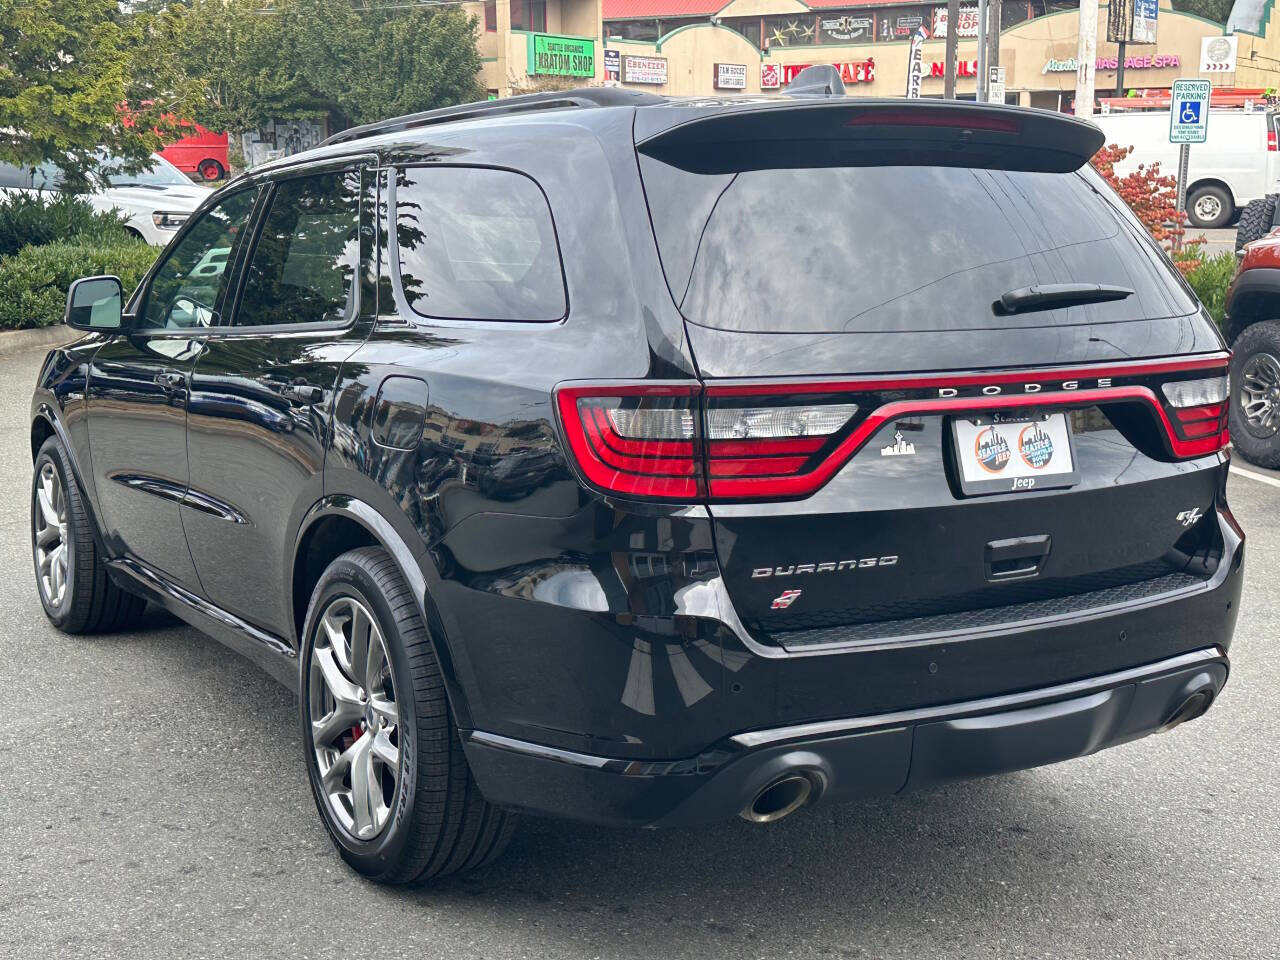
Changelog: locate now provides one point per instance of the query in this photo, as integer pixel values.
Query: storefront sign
(966, 22)
(729, 76)
(1218, 54)
(644, 70)
(964, 68)
(613, 65)
(1132, 21)
(900, 26)
(561, 56)
(848, 27)
(1159, 61)
(770, 76)
(858, 71)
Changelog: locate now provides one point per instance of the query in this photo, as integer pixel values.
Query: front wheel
(385, 762)
(1255, 394)
(211, 170)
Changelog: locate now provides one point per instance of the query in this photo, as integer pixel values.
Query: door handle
(1018, 558)
(171, 382)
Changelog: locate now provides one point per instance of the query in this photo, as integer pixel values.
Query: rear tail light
(639, 441)
(683, 441)
(1271, 141)
(1199, 412)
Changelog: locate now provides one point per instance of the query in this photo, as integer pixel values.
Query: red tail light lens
(1271, 141)
(1199, 414)
(639, 440)
(773, 440)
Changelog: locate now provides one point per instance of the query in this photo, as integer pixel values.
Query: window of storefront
(529, 15)
(633, 29)
(491, 15)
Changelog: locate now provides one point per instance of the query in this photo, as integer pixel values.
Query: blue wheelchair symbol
(1190, 112)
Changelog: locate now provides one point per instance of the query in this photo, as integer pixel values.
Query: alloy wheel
(1208, 208)
(1260, 394)
(50, 533)
(355, 722)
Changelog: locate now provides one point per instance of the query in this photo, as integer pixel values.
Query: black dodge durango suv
(650, 461)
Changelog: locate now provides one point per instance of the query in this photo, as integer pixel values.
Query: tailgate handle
(1017, 558)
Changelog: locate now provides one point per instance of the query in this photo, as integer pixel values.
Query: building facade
(699, 47)
(531, 45)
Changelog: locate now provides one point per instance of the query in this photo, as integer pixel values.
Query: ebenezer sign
(561, 56)
(644, 70)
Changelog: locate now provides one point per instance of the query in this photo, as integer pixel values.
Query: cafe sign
(651, 70)
(561, 56)
(729, 76)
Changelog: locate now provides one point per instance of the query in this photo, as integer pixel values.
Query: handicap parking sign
(1189, 111)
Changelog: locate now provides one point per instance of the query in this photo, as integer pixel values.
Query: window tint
(189, 285)
(477, 245)
(875, 248)
(304, 263)
(47, 176)
(11, 176)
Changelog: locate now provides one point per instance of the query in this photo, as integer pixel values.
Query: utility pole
(993, 41)
(1086, 58)
(953, 29)
(1120, 70)
(982, 50)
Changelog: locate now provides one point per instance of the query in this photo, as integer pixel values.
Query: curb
(12, 341)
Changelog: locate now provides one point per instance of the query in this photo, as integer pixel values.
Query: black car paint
(563, 618)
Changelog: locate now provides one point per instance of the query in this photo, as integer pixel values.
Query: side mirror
(94, 303)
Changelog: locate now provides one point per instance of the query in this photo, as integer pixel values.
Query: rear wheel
(71, 578)
(1255, 220)
(1210, 207)
(211, 170)
(1255, 394)
(384, 758)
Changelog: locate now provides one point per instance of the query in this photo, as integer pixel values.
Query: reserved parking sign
(1189, 111)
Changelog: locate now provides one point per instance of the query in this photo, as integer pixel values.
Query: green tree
(67, 67)
(306, 59)
(1215, 10)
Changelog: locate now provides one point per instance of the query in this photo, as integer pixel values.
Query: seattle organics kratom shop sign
(561, 56)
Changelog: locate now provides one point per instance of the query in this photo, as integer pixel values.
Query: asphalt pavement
(155, 805)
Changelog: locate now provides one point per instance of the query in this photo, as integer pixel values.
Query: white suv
(157, 201)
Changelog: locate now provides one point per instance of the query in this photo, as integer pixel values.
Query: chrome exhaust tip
(779, 799)
(1194, 706)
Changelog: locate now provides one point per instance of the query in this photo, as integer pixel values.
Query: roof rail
(551, 100)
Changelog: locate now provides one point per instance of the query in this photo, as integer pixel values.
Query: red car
(203, 153)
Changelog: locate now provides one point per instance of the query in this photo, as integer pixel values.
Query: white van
(1238, 162)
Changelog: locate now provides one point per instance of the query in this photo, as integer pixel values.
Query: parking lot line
(1270, 481)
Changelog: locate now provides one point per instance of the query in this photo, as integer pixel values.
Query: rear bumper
(862, 757)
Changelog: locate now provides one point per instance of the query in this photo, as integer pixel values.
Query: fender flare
(407, 562)
(48, 413)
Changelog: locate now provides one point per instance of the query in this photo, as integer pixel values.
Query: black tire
(1226, 207)
(90, 601)
(439, 824)
(1256, 350)
(1255, 220)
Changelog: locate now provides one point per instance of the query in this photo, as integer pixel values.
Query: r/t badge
(784, 599)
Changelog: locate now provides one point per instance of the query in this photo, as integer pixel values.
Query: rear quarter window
(477, 244)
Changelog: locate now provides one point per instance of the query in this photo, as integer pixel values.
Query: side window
(47, 177)
(305, 263)
(189, 285)
(477, 244)
(12, 177)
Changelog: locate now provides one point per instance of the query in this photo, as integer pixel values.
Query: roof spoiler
(863, 132)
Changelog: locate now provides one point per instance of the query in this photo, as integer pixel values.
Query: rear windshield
(898, 248)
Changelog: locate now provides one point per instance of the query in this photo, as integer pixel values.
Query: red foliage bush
(1153, 197)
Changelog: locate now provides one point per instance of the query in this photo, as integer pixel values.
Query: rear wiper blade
(1047, 296)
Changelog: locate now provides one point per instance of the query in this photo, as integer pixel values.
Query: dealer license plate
(1003, 454)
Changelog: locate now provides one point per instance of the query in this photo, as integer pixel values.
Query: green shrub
(1210, 281)
(37, 218)
(34, 281)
